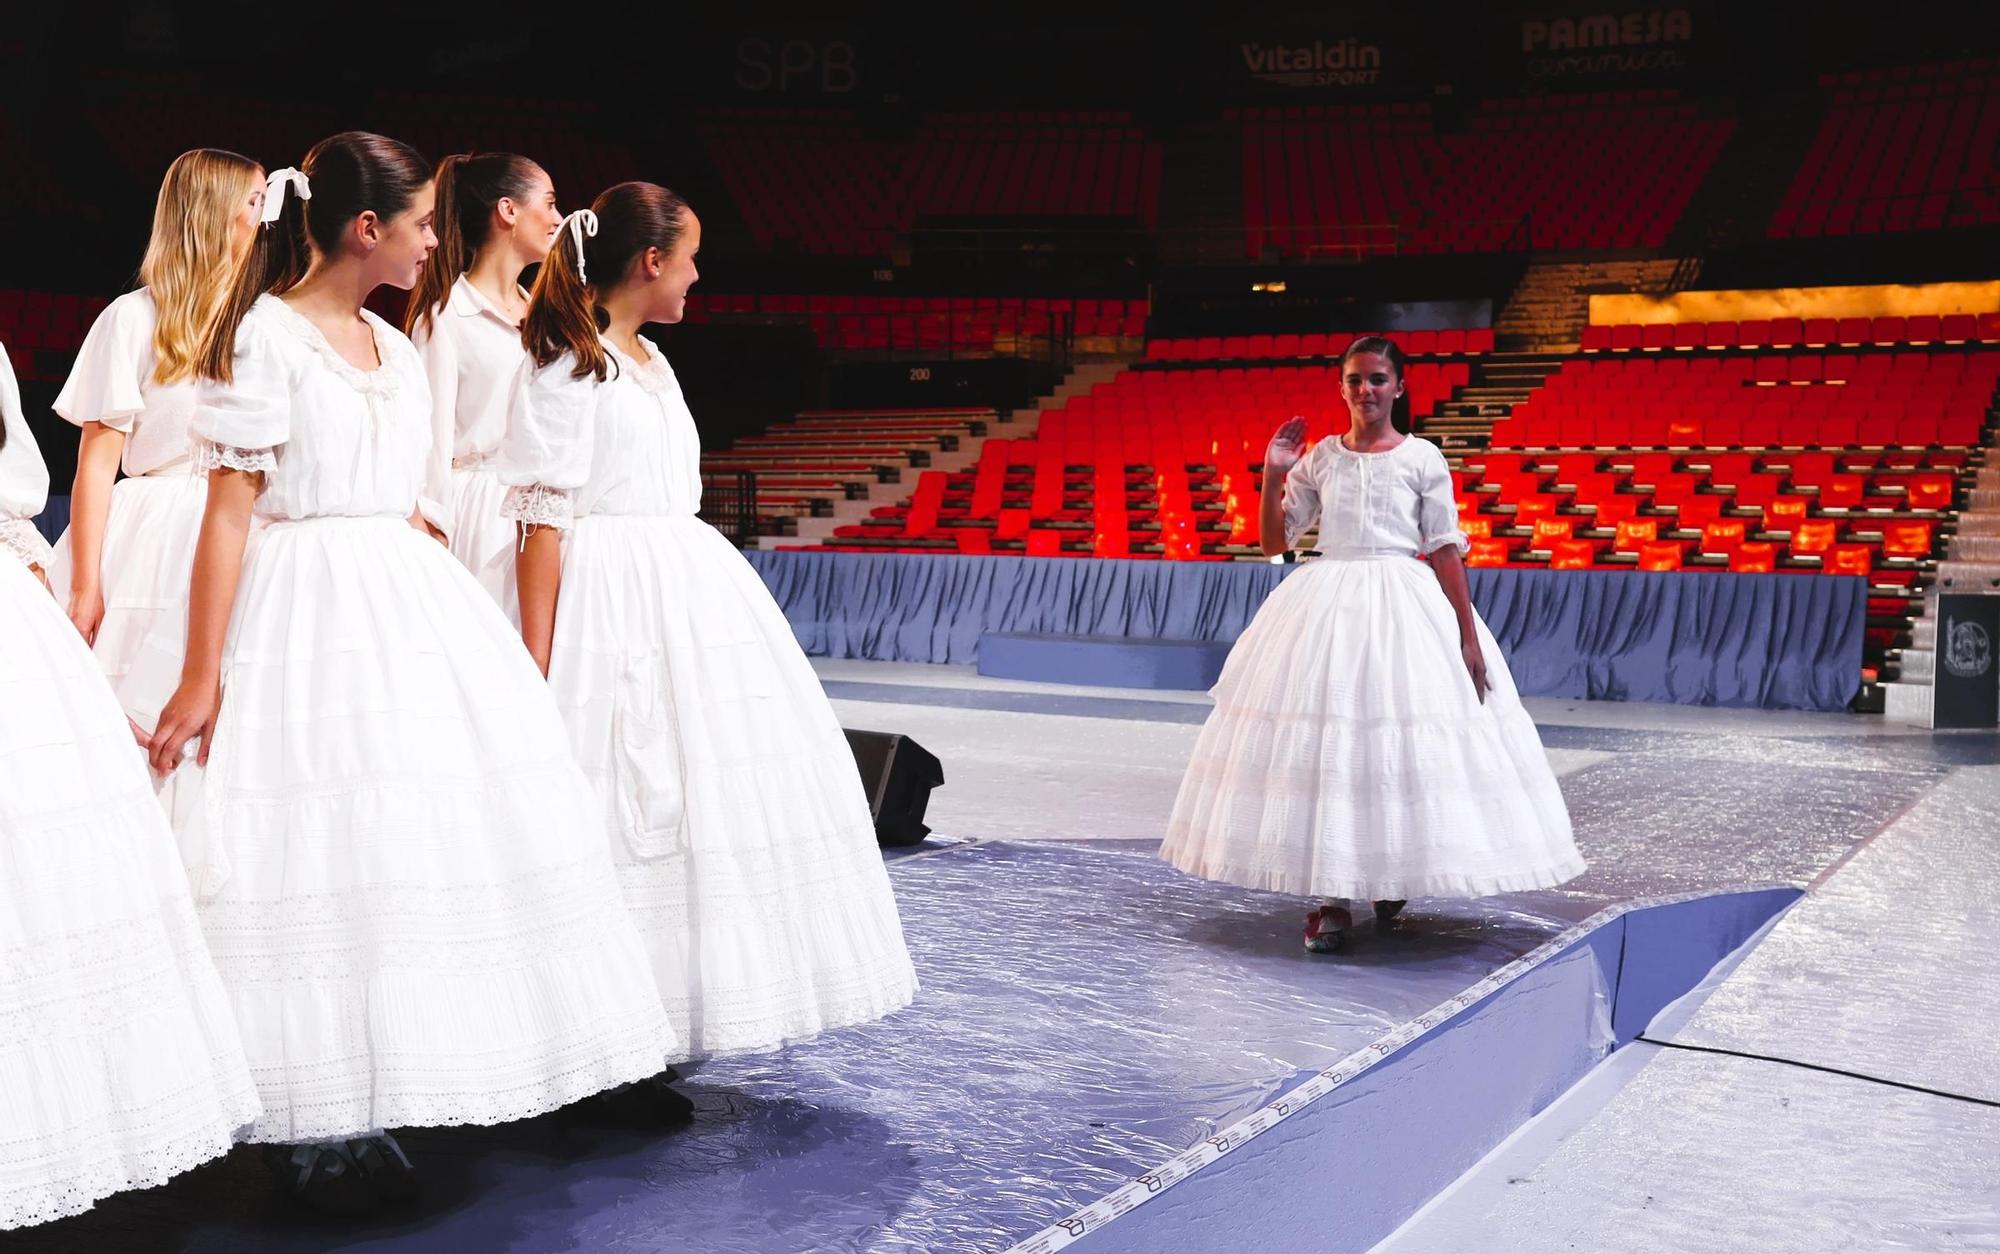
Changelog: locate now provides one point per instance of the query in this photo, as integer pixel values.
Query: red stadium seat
(1487, 553)
(1849, 559)
(1635, 533)
(1660, 555)
(1888, 329)
(1719, 335)
(1573, 555)
(1906, 539)
(1754, 557)
(1722, 535)
(1815, 535)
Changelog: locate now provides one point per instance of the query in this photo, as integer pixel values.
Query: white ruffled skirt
(481, 539)
(731, 799)
(144, 571)
(119, 1063)
(395, 860)
(1348, 755)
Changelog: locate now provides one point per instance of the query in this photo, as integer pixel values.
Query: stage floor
(1086, 1012)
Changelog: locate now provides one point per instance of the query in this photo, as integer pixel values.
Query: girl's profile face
(405, 241)
(677, 271)
(537, 220)
(1370, 385)
(249, 215)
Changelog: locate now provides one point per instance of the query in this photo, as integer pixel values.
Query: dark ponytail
(564, 313)
(1399, 413)
(469, 188)
(350, 173)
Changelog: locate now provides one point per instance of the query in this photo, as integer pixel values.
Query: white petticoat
(1348, 756)
(119, 1064)
(481, 539)
(733, 803)
(145, 568)
(395, 861)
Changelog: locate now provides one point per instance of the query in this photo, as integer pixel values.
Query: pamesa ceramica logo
(1346, 62)
(1968, 650)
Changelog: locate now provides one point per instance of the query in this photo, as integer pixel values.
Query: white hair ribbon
(579, 224)
(274, 191)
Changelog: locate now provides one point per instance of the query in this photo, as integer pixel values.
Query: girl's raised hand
(1287, 446)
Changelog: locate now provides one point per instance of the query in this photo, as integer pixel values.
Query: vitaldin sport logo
(1344, 62)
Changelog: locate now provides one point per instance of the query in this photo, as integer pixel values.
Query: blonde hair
(192, 256)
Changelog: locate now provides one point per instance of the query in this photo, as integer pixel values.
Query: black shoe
(323, 1178)
(386, 1168)
(1388, 918)
(649, 1103)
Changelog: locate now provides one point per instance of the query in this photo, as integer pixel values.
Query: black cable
(1813, 1066)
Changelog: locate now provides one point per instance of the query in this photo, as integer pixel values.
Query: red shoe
(1326, 930)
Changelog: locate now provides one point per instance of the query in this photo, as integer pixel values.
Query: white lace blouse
(472, 354)
(112, 383)
(577, 447)
(330, 439)
(1395, 501)
(24, 477)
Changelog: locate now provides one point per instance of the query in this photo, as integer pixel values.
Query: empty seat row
(1420, 343)
(1958, 328)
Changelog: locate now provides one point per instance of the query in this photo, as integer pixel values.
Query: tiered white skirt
(726, 787)
(119, 1063)
(144, 569)
(395, 860)
(1348, 755)
(481, 539)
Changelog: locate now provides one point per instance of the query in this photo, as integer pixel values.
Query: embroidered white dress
(472, 355)
(727, 789)
(119, 1063)
(1348, 754)
(394, 858)
(150, 531)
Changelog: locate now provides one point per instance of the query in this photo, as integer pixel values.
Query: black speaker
(898, 774)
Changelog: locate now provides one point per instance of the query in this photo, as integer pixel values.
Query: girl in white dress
(1367, 741)
(119, 1064)
(727, 791)
(122, 567)
(393, 858)
(496, 216)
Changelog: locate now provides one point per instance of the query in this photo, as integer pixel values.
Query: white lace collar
(654, 374)
(381, 381)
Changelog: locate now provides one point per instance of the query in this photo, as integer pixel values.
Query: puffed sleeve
(105, 385)
(1302, 495)
(1437, 509)
(438, 350)
(240, 425)
(24, 477)
(545, 458)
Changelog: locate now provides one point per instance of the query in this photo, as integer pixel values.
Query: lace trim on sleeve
(209, 457)
(1455, 539)
(19, 538)
(539, 506)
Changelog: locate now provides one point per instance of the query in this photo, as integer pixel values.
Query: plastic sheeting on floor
(1726, 1155)
(1863, 1117)
(1889, 969)
(1084, 1014)
(1695, 638)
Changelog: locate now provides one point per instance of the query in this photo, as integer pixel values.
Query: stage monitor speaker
(898, 774)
